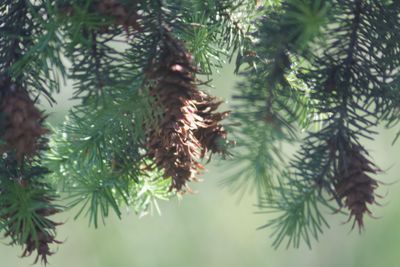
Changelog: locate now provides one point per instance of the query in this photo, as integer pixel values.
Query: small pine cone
(41, 233)
(120, 13)
(45, 237)
(355, 186)
(22, 126)
(181, 138)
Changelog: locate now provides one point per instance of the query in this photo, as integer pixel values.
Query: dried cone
(189, 126)
(354, 185)
(22, 126)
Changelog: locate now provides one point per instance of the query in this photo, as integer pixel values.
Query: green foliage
(304, 19)
(272, 103)
(315, 74)
(25, 204)
(300, 214)
(31, 46)
(353, 85)
(98, 161)
(216, 31)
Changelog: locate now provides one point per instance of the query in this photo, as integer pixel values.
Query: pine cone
(121, 14)
(188, 127)
(354, 185)
(45, 237)
(22, 125)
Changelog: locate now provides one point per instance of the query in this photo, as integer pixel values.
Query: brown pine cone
(22, 125)
(45, 234)
(189, 126)
(122, 15)
(45, 237)
(354, 185)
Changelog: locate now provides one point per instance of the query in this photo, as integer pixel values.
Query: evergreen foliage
(144, 125)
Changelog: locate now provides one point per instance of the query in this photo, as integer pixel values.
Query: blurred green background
(211, 228)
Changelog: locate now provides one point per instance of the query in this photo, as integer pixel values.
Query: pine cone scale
(178, 143)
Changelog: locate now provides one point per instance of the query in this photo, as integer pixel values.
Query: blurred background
(212, 229)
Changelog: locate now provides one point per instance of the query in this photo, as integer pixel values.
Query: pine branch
(350, 83)
(28, 54)
(26, 203)
(300, 214)
(270, 102)
(143, 127)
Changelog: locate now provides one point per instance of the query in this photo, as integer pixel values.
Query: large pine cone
(22, 125)
(189, 126)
